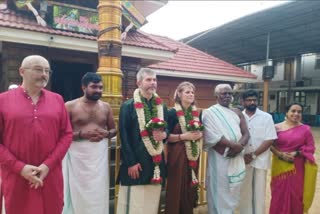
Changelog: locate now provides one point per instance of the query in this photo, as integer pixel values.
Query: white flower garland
(199, 142)
(142, 124)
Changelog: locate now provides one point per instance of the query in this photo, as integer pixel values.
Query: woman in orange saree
(293, 148)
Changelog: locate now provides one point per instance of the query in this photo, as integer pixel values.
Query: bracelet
(179, 137)
(79, 135)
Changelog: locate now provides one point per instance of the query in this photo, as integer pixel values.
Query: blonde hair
(180, 88)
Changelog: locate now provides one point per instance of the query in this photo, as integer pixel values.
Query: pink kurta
(287, 188)
(33, 134)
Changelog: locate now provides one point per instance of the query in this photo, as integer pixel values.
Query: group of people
(238, 146)
(54, 155)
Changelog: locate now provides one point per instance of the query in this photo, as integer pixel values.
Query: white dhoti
(139, 199)
(224, 175)
(221, 199)
(253, 191)
(86, 178)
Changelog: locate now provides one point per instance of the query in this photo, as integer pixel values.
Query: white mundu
(261, 128)
(224, 175)
(86, 178)
(139, 199)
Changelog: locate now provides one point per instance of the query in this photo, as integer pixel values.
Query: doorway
(66, 78)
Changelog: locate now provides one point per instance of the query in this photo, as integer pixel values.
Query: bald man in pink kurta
(33, 133)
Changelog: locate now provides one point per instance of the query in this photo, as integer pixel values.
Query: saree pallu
(287, 186)
(290, 181)
(309, 187)
(284, 174)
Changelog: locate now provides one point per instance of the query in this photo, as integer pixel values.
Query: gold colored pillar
(109, 45)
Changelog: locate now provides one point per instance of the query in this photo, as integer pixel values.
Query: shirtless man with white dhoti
(86, 178)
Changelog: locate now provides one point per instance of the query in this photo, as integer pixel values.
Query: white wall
(278, 71)
(308, 70)
(256, 69)
(311, 100)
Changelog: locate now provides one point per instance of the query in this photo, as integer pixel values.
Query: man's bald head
(33, 60)
(35, 72)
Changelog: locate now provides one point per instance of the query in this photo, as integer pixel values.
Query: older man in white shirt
(257, 157)
(225, 136)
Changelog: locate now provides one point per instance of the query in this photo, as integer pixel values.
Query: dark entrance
(66, 78)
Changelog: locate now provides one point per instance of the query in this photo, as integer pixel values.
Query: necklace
(153, 147)
(193, 148)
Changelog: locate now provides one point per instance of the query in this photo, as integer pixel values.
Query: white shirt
(261, 128)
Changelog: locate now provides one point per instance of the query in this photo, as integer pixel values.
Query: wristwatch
(253, 156)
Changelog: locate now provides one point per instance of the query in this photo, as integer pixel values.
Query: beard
(151, 89)
(251, 107)
(94, 97)
(42, 82)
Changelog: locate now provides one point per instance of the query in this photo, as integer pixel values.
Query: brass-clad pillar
(109, 45)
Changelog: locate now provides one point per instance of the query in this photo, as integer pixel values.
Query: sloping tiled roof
(11, 19)
(189, 59)
(141, 39)
(186, 59)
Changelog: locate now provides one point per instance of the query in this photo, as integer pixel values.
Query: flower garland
(193, 148)
(153, 147)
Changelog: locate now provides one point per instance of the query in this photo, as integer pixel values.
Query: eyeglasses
(40, 70)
